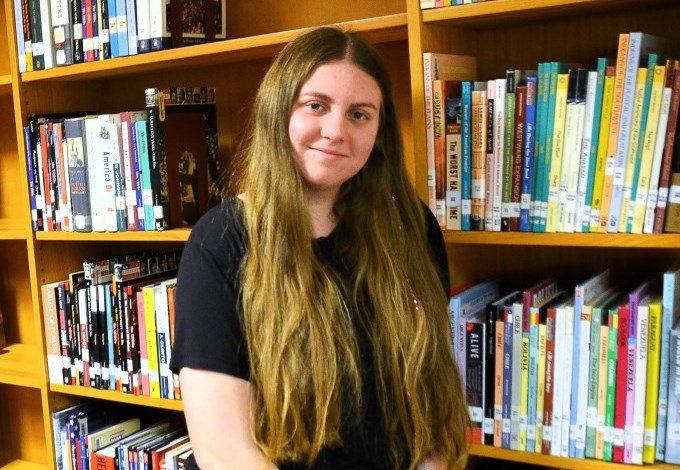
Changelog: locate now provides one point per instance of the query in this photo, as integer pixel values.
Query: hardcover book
(185, 168)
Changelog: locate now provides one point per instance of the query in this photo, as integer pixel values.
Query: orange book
(614, 123)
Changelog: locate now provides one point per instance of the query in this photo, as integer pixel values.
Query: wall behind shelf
(15, 293)
(22, 422)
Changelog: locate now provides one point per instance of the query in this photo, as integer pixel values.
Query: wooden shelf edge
(379, 29)
(489, 13)
(585, 240)
(110, 395)
(176, 235)
(5, 80)
(18, 366)
(12, 230)
(556, 462)
(22, 465)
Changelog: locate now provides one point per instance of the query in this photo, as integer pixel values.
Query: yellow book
(151, 343)
(524, 394)
(653, 364)
(634, 138)
(540, 385)
(557, 148)
(602, 142)
(648, 149)
(614, 123)
(601, 391)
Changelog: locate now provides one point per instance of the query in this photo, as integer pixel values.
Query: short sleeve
(208, 332)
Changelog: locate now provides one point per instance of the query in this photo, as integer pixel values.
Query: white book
(555, 429)
(143, 25)
(95, 169)
(66, 209)
(567, 366)
(498, 132)
(582, 212)
(640, 379)
(571, 156)
(163, 337)
(110, 158)
(490, 156)
(46, 28)
(653, 194)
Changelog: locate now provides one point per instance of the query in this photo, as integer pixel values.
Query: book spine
(466, 175)
(479, 118)
(438, 110)
(673, 426)
(539, 166)
(498, 382)
(587, 161)
(652, 382)
(508, 148)
(528, 165)
(474, 382)
(31, 173)
(490, 157)
(611, 172)
(151, 342)
(61, 32)
(498, 140)
(602, 391)
(507, 379)
(154, 99)
(649, 157)
(517, 155)
(554, 175)
(667, 207)
(453, 164)
(428, 67)
(20, 39)
(612, 364)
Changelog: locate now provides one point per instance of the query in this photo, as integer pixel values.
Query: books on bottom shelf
(95, 321)
(595, 384)
(92, 435)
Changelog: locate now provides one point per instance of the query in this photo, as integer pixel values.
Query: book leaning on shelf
(183, 155)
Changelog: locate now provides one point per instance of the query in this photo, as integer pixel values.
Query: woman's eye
(315, 106)
(359, 116)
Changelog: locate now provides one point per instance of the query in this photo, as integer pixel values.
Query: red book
(549, 374)
(621, 366)
(672, 80)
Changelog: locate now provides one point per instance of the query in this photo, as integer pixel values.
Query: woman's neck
(320, 206)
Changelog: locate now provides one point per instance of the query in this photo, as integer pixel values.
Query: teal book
(466, 183)
(538, 163)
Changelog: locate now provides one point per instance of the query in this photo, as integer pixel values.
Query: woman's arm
(216, 407)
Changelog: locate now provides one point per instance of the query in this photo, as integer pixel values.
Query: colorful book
(652, 382)
(554, 176)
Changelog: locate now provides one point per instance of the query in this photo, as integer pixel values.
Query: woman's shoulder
(221, 228)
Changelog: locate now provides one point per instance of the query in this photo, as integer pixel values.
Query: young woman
(312, 323)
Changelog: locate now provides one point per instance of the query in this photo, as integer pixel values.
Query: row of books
(152, 169)
(557, 149)
(111, 326)
(589, 372)
(427, 4)
(89, 436)
(54, 33)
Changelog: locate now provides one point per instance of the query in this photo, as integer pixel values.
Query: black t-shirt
(209, 335)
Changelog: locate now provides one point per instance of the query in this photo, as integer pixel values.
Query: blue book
(528, 155)
(672, 446)
(122, 28)
(143, 150)
(466, 183)
(113, 28)
(540, 139)
(670, 314)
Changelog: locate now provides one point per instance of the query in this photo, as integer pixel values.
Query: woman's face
(333, 124)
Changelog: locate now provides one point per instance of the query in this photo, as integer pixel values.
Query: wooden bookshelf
(500, 33)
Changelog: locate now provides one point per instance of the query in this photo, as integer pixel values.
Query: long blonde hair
(304, 357)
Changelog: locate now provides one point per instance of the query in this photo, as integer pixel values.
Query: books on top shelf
(576, 372)
(59, 33)
(125, 171)
(566, 148)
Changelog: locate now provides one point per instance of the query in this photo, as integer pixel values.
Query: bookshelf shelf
(110, 395)
(22, 465)
(489, 14)
(175, 235)
(555, 462)
(12, 230)
(18, 365)
(380, 29)
(592, 240)
(5, 80)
